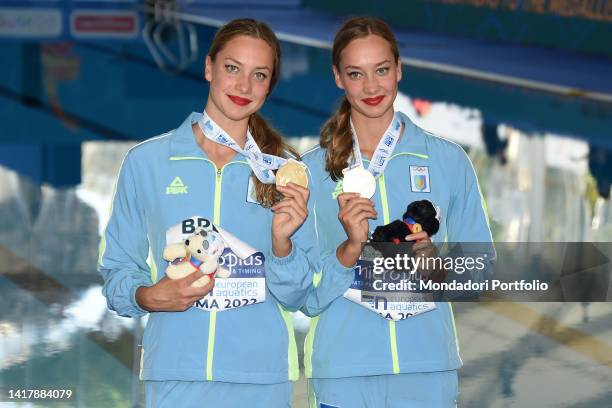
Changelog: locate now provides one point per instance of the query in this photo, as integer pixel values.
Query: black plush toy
(419, 216)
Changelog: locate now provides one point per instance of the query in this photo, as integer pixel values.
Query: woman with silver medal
(355, 357)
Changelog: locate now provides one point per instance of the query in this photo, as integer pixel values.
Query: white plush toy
(200, 251)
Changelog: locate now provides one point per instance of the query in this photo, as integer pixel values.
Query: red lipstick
(374, 101)
(239, 101)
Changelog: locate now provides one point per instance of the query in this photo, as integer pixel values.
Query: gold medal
(292, 171)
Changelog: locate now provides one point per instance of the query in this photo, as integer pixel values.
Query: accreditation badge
(394, 295)
(251, 196)
(240, 278)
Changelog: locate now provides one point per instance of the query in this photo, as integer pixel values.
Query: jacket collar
(413, 139)
(182, 140)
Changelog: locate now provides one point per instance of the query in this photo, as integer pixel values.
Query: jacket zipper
(212, 323)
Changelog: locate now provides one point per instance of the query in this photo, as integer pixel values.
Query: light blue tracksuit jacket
(346, 339)
(163, 181)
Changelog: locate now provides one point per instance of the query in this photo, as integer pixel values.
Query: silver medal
(359, 180)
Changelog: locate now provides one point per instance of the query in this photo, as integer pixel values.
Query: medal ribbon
(262, 164)
(385, 147)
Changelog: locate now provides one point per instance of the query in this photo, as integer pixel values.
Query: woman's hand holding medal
(358, 186)
(289, 214)
(354, 213)
(356, 208)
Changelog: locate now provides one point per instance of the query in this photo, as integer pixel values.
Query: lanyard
(262, 164)
(385, 147)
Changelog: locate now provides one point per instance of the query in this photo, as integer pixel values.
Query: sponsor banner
(104, 24)
(385, 289)
(244, 282)
(29, 22)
